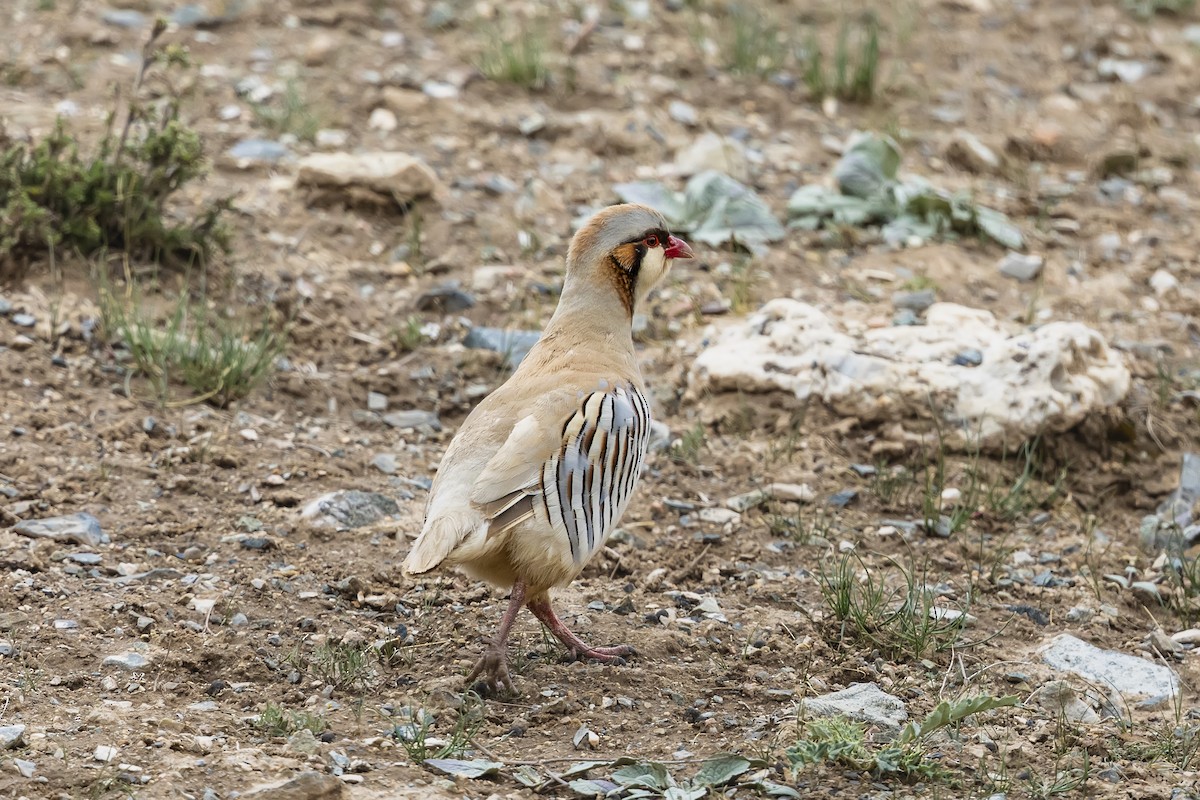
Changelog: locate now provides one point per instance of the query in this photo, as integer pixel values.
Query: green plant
(408, 336)
(291, 112)
(854, 74)
(220, 360)
(414, 734)
(274, 720)
(1182, 588)
(53, 197)
(741, 286)
(343, 664)
(892, 607)
(751, 44)
(1146, 9)
(839, 740)
(518, 58)
(686, 449)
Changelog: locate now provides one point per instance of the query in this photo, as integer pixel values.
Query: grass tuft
(518, 59)
(853, 75)
(275, 720)
(752, 44)
(290, 113)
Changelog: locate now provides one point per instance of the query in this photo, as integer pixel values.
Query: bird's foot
(492, 667)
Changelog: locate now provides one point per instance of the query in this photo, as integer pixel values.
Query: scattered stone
(1163, 283)
(440, 90)
(376, 401)
(744, 502)
(133, 662)
(1190, 636)
(124, 18)
(718, 516)
(87, 559)
(385, 463)
(1178, 507)
(81, 528)
(515, 345)
(12, 737)
(23, 320)
(305, 786)
(383, 119)
(864, 702)
(350, 509)
(683, 113)
(1165, 645)
(257, 151)
(966, 151)
(714, 152)
(426, 422)
(843, 498)
(390, 178)
(1126, 71)
(104, 753)
(444, 300)
(914, 301)
(1020, 266)
(21, 342)
(497, 185)
(1061, 700)
(303, 741)
(1035, 381)
(792, 492)
(6, 306)
(24, 768)
(1136, 679)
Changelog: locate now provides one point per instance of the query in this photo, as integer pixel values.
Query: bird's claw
(493, 666)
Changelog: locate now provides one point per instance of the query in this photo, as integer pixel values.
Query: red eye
(652, 241)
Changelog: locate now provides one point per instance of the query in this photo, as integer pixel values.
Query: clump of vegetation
(275, 720)
(686, 449)
(752, 44)
(892, 606)
(518, 58)
(220, 360)
(854, 74)
(119, 197)
(290, 113)
(1146, 9)
(415, 733)
(838, 740)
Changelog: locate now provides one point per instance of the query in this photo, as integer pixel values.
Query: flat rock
(864, 702)
(515, 345)
(350, 509)
(385, 463)
(1029, 382)
(413, 419)
(305, 786)
(128, 661)
(25, 768)
(391, 177)
(81, 528)
(1021, 266)
(1136, 679)
(12, 737)
(965, 150)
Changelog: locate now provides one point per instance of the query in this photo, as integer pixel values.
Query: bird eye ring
(651, 241)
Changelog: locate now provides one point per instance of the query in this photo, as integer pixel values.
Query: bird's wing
(573, 463)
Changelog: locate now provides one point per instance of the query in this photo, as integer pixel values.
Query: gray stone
(88, 559)
(385, 463)
(258, 150)
(1061, 700)
(24, 320)
(421, 421)
(683, 113)
(5, 307)
(303, 741)
(744, 502)
(966, 151)
(351, 509)
(1136, 679)
(81, 528)
(1178, 506)
(914, 301)
(864, 702)
(123, 18)
(12, 737)
(1020, 266)
(376, 401)
(25, 768)
(131, 661)
(515, 345)
(1192, 35)
(305, 786)
(444, 300)
(1124, 70)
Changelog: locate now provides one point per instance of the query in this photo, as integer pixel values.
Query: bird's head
(626, 248)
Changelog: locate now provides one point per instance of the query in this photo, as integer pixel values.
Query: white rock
(968, 152)
(1031, 382)
(719, 516)
(249, 434)
(711, 151)
(864, 702)
(128, 661)
(104, 753)
(204, 605)
(1190, 636)
(1163, 282)
(394, 177)
(1136, 679)
(12, 737)
(1061, 700)
(793, 492)
(383, 119)
(951, 495)
(25, 768)
(1020, 266)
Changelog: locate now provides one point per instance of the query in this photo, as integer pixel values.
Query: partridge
(542, 469)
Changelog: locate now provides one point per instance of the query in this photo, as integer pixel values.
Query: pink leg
(575, 646)
(493, 664)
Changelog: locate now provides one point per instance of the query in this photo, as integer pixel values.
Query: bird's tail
(439, 538)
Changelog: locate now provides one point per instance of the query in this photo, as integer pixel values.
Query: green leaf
(720, 770)
(685, 793)
(868, 166)
(778, 789)
(583, 766)
(1000, 229)
(528, 776)
(465, 769)
(588, 788)
(650, 774)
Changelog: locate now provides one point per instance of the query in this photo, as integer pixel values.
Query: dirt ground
(203, 504)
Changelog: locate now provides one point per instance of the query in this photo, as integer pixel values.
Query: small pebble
(104, 753)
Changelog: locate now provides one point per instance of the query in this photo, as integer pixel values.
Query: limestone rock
(1026, 383)
(385, 177)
